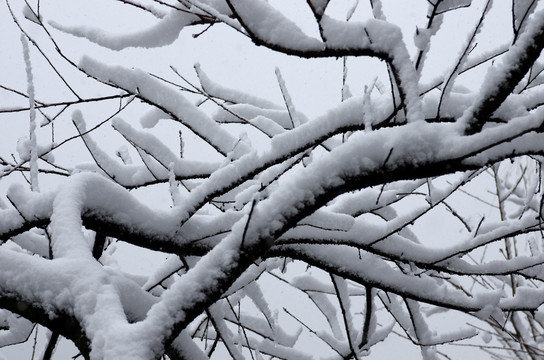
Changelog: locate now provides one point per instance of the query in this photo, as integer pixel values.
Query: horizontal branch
(370, 271)
(66, 103)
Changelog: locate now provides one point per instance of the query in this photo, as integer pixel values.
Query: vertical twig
(368, 316)
(34, 185)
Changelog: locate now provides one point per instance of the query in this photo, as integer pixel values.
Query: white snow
(269, 25)
(33, 148)
(170, 101)
(164, 32)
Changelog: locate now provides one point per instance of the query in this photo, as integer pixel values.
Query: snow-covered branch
(194, 216)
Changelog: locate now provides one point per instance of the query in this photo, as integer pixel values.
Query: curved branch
(375, 38)
(500, 82)
(365, 272)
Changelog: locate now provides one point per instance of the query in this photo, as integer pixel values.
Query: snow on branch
(150, 89)
(502, 80)
(165, 32)
(246, 227)
(183, 169)
(266, 25)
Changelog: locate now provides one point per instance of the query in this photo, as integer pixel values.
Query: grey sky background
(232, 60)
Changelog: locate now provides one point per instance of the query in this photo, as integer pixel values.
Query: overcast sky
(228, 58)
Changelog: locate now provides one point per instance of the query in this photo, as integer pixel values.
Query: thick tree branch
(516, 63)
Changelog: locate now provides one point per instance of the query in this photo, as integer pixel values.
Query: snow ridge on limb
(131, 176)
(290, 202)
(123, 174)
(422, 37)
(205, 283)
(267, 26)
(173, 103)
(272, 216)
(501, 80)
(220, 91)
(340, 38)
(88, 191)
(98, 202)
(443, 6)
(423, 288)
(26, 289)
(32, 126)
(318, 7)
(163, 33)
